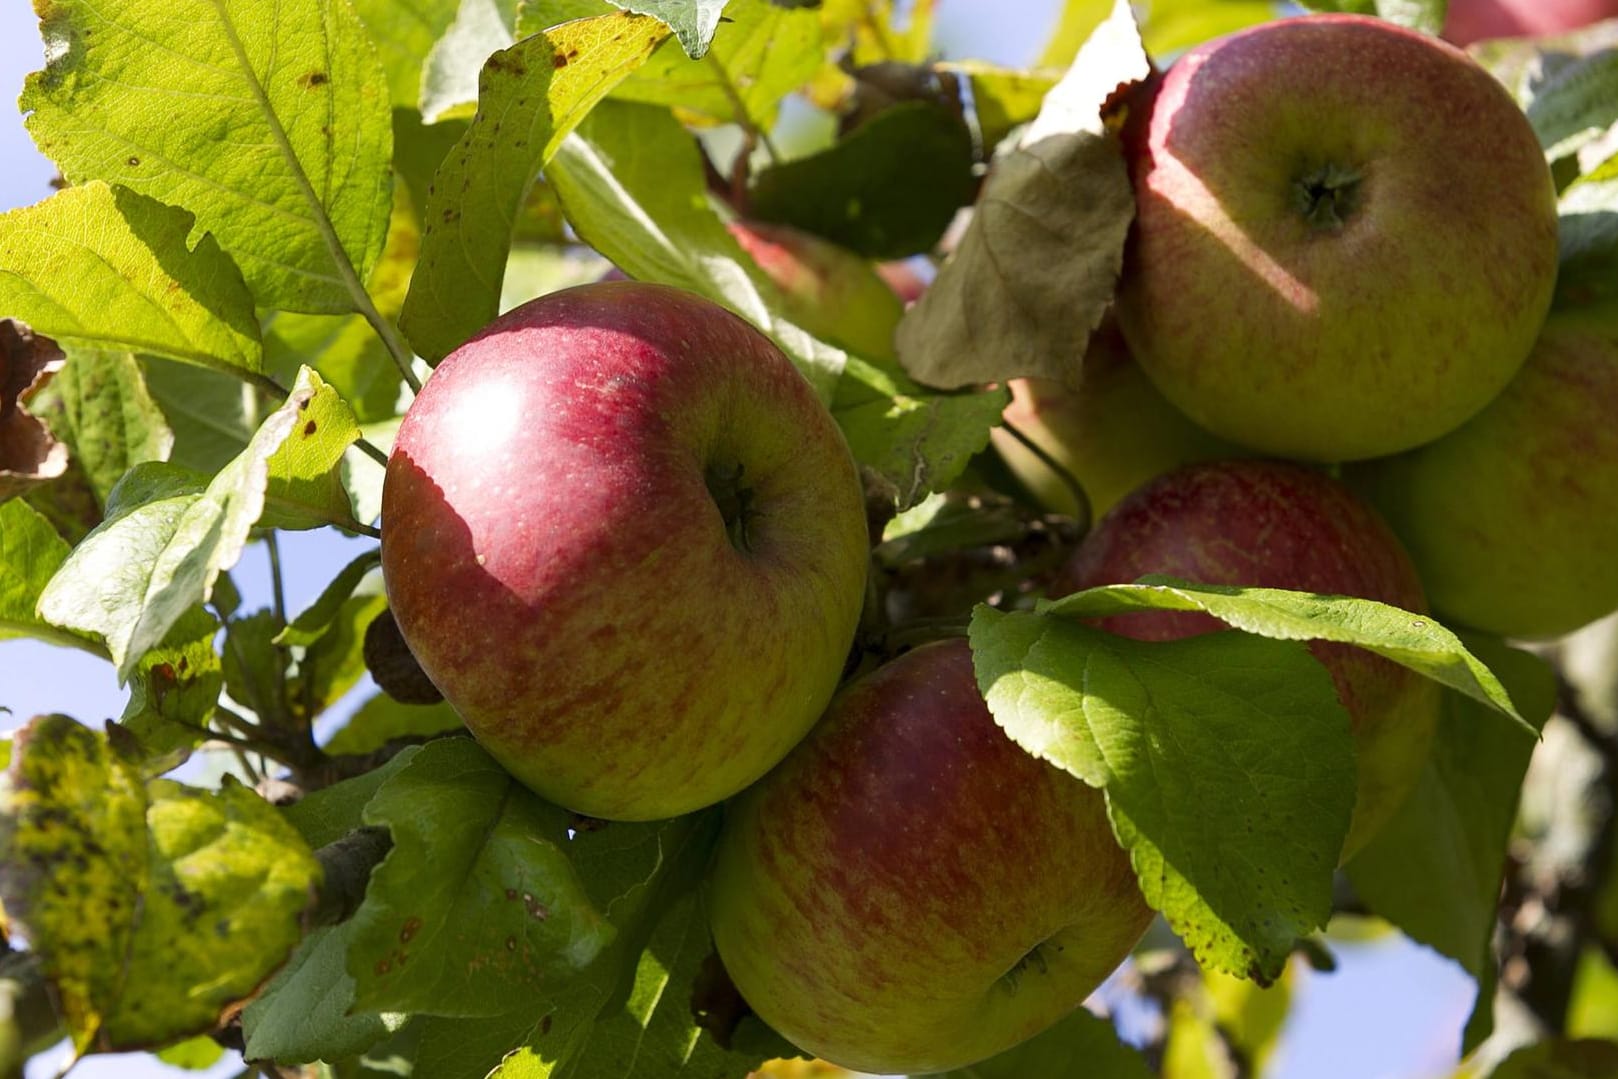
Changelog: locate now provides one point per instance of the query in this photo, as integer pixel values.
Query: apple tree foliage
(274, 218)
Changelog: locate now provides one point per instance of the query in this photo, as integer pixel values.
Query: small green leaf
(530, 96)
(1576, 103)
(304, 488)
(334, 662)
(1451, 832)
(501, 911)
(887, 190)
(193, 1054)
(1411, 640)
(212, 415)
(1077, 21)
(174, 689)
(631, 182)
(1173, 26)
(306, 1012)
(761, 53)
(1005, 98)
(404, 34)
(153, 908)
(449, 78)
(1081, 1046)
(693, 21)
(328, 814)
(30, 554)
(100, 407)
(1560, 1058)
(918, 439)
(268, 120)
(1226, 760)
(156, 557)
(381, 719)
(308, 626)
(137, 284)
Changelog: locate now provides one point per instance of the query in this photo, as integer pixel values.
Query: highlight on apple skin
(1271, 524)
(1513, 519)
(628, 542)
(910, 891)
(1328, 264)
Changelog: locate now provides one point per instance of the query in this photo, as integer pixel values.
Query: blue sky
(1393, 1011)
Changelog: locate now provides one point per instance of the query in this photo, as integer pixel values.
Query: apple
(1345, 239)
(628, 543)
(828, 290)
(1272, 524)
(1111, 429)
(1467, 21)
(910, 891)
(1513, 519)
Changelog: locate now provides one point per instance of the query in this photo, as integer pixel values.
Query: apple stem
(1081, 500)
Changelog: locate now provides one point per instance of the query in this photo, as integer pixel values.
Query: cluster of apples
(629, 544)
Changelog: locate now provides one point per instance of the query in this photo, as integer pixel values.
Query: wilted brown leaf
(29, 454)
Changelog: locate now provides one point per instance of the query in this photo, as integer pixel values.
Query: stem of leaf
(740, 108)
(278, 589)
(371, 450)
(1081, 500)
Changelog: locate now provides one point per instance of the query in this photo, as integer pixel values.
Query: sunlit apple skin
(878, 896)
(556, 559)
(1513, 519)
(1345, 238)
(1271, 524)
(829, 290)
(1467, 21)
(1111, 429)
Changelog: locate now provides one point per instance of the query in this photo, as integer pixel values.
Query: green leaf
(334, 662)
(73, 840)
(1558, 1058)
(918, 439)
(449, 80)
(632, 185)
(268, 120)
(153, 908)
(1451, 832)
(633, 873)
(1576, 103)
(693, 21)
(1588, 233)
(193, 1054)
(404, 32)
(477, 901)
(1036, 268)
(328, 814)
(1081, 1046)
(174, 689)
(1411, 640)
(255, 670)
(1074, 25)
(887, 190)
(30, 554)
(304, 488)
(305, 1013)
(381, 719)
(212, 415)
(761, 53)
(1172, 26)
(1005, 98)
(1226, 760)
(156, 557)
(100, 407)
(313, 621)
(530, 96)
(136, 282)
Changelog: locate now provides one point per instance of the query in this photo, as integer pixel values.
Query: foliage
(276, 219)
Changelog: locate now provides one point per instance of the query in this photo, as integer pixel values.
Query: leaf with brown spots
(154, 908)
(477, 903)
(305, 487)
(29, 453)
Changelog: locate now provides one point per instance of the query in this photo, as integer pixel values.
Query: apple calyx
(735, 502)
(1328, 195)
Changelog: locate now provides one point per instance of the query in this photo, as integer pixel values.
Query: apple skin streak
(908, 841)
(558, 565)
